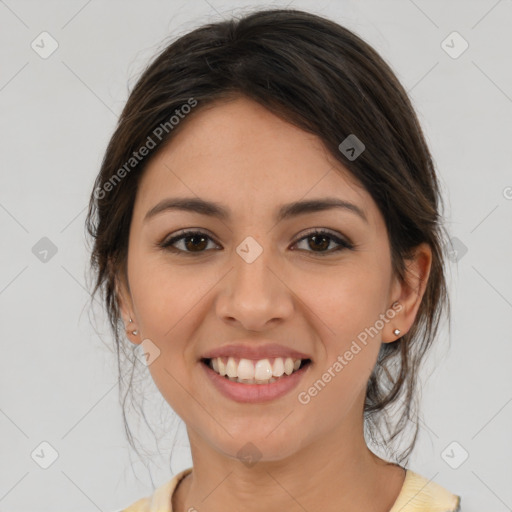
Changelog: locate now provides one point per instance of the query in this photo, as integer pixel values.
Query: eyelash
(343, 244)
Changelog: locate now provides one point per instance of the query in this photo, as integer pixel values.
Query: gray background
(58, 372)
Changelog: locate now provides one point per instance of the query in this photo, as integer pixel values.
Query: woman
(266, 224)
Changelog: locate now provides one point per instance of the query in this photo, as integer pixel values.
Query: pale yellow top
(418, 494)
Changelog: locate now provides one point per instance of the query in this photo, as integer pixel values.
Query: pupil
(323, 237)
(192, 237)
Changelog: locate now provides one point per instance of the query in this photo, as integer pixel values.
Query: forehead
(243, 155)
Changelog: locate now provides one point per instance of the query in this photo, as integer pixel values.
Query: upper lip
(250, 350)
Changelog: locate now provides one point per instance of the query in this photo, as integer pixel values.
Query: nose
(255, 293)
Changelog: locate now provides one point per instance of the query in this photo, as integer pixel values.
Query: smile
(245, 380)
(247, 371)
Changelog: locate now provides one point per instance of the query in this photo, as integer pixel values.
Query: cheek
(348, 300)
(349, 304)
(168, 299)
(162, 293)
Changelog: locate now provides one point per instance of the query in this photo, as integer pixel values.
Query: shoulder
(141, 505)
(419, 494)
(160, 500)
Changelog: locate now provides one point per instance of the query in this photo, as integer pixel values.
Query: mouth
(253, 381)
(250, 371)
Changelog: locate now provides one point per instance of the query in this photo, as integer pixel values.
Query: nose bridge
(251, 272)
(254, 294)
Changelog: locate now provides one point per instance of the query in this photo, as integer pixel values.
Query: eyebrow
(286, 211)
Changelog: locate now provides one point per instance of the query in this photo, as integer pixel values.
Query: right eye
(191, 240)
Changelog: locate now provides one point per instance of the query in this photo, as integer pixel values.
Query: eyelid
(168, 241)
(342, 241)
(339, 238)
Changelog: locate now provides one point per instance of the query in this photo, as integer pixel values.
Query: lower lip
(254, 393)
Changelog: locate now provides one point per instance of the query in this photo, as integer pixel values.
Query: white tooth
(263, 370)
(278, 367)
(231, 368)
(245, 369)
(255, 372)
(221, 365)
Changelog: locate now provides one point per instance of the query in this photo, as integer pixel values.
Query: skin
(313, 456)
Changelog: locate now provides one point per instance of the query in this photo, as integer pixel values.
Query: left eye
(319, 238)
(197, 241)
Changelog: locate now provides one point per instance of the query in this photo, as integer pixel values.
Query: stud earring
(396, 332)
(133, 332)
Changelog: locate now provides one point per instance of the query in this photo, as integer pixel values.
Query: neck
(334, 472)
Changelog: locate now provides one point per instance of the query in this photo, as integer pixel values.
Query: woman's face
(253, 279)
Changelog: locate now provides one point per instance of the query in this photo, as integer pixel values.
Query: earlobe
(391, 332)
(132, 333)
(135, 331)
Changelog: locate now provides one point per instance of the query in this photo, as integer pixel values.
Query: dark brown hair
(324, 79)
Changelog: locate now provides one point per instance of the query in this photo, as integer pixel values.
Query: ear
(409, 293)
(124, 301)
